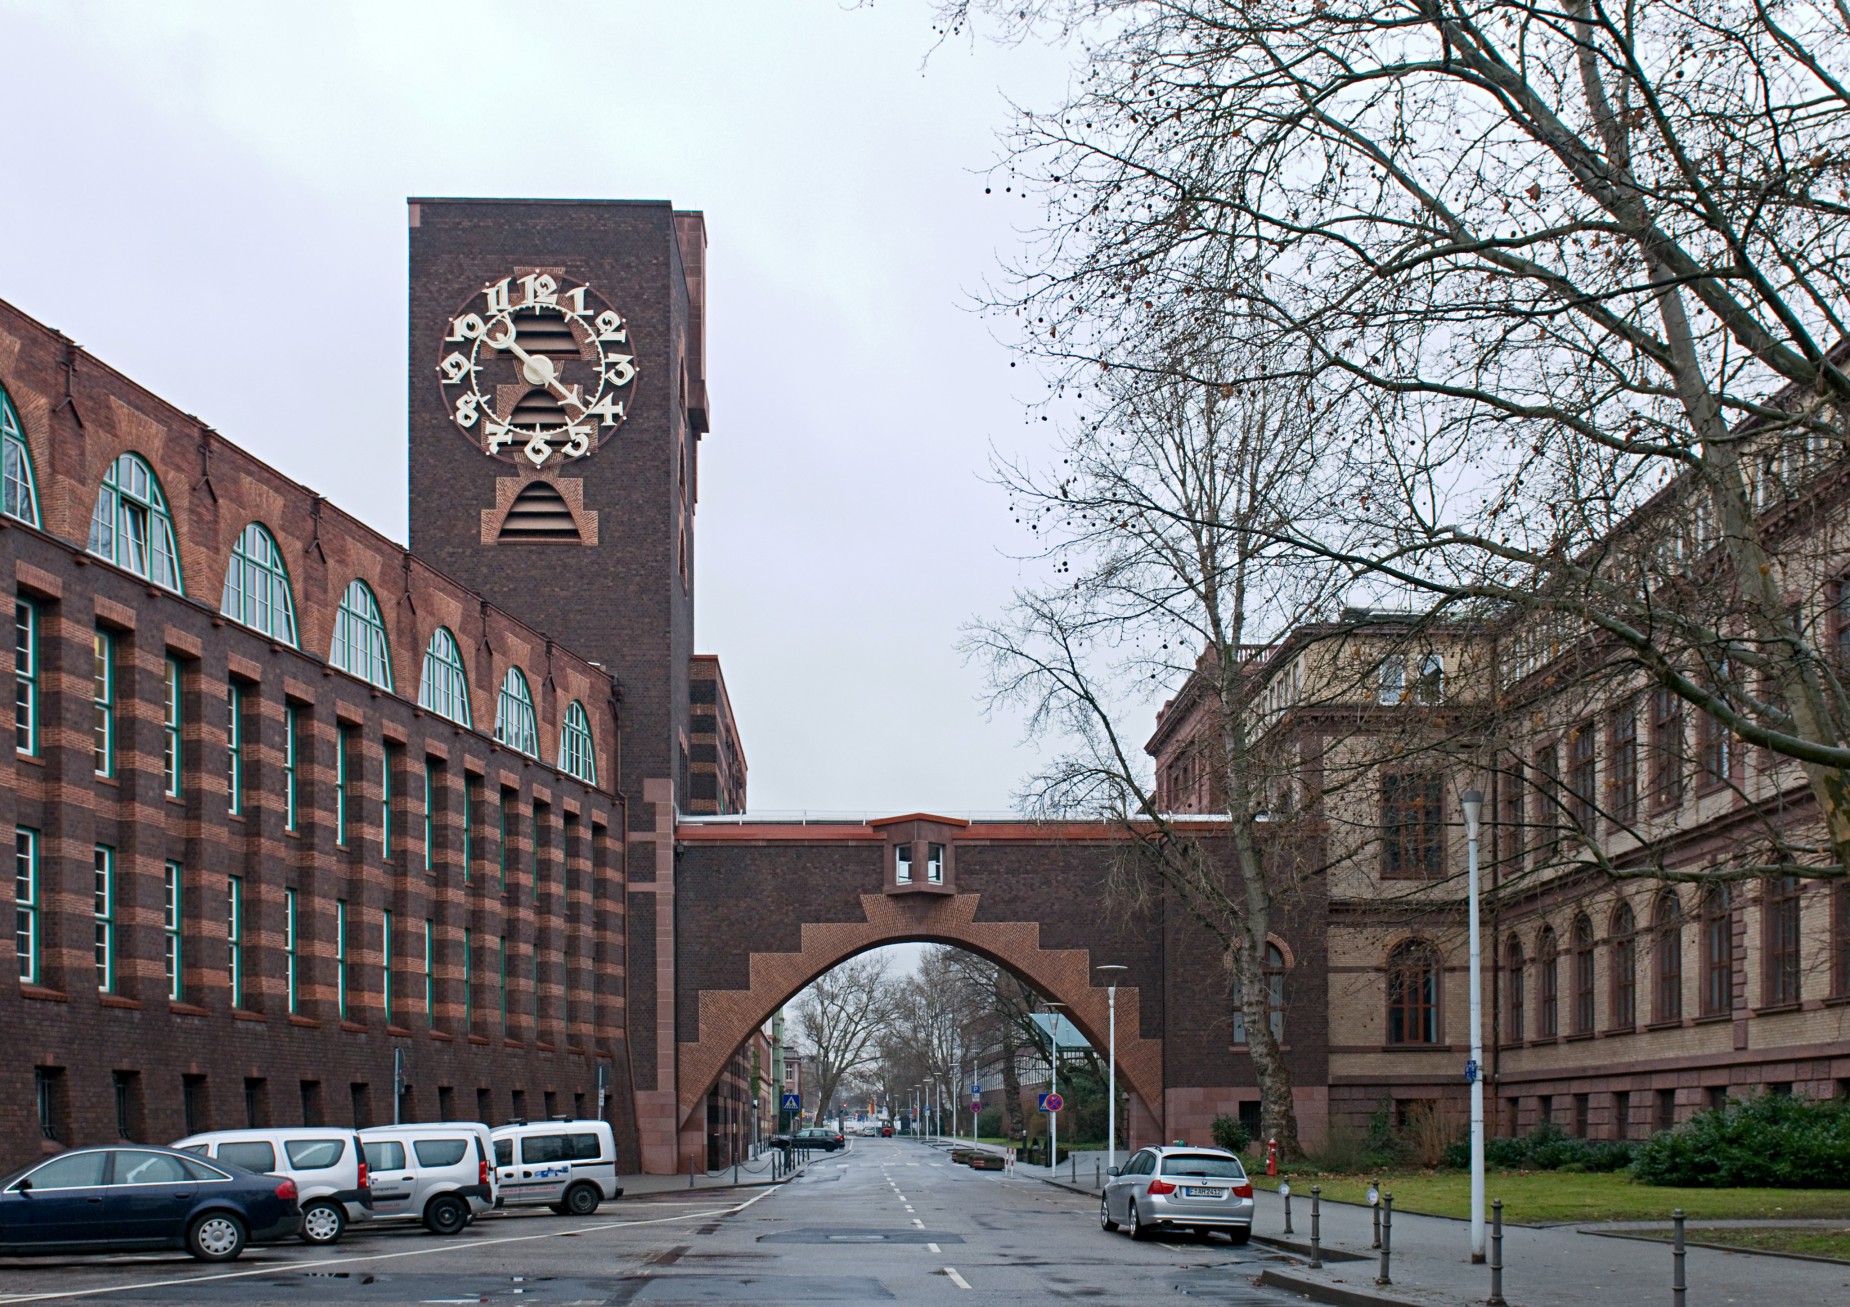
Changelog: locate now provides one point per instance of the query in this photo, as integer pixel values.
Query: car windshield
(1205, 1165)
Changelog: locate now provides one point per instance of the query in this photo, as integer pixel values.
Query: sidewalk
(753, 1174)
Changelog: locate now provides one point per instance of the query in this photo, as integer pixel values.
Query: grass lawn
(1812, 1240)
(1540, 1197)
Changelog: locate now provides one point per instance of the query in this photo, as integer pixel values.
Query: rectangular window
(1782, 941)
(1412, 825)
(343, 976)
(173, 890)
(386, 962)
(430, 969)
(1666, 748)
(468, 826)
(46, 1081)
(501, 831)
(533, 853)
(170, 730)
(292, 953)
(234, 748)
(535, 994)
(1625, 979)
(1717, 953)
(234, 938)
(26, 677)
(26, 936)
(430, 792)
(292, 747)
(1582, 776)
(1715, 755)
(934, 864)
(103, 899)
(468, 977)
(1622, 767)
(388, 763)
(1548, 796)
(103, 702)
(902, 864)
(504, 984)
(343, 771)
(1840, 940)
(1393, 685)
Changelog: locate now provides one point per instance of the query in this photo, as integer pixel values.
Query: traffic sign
(976, 1104)
(976, 1090)
(792, 1103)
(1471, 1071)
(1052, 1102)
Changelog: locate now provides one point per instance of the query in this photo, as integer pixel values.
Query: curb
(1340, 1295)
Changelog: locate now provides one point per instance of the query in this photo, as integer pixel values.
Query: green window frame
(234, 938)
(504, 984)
(257, 586)
(430, 790)
(234, 748)
(104, 912)
(515, 725)
(292, 753)
(292, 953)
(173, 947)
(343, 977)
(577, 750)
(430, 966)
(468, 827)
(468, 979)
(445, 687)
(386, 961)
(19, 496)
(360, 647)
(172, 759)
(103, 701)
(26, 677)
(26, 933)
(388, 758)
(131, 526)
(501, 839)
(343, 765)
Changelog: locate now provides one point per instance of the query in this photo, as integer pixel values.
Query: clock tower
(557, 399)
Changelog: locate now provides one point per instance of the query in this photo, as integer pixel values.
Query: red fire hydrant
(1271, 1157)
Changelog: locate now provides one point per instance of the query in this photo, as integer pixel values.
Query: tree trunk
(1013, 1124)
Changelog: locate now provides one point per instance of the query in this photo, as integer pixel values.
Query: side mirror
(23, 1185)
(1115, 1170)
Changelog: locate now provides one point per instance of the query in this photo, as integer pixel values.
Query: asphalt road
(887, 1221)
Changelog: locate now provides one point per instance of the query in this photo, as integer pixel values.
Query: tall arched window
(1624, 968)
(1667, 960)
(1717, 951)
(577, 752)
(257, 586)
(1274, 996)
(1413, 994)
(360, 646)
(1583, 975)
(514, 722)
(131, 526)
(445, 689)
(1548, 984)
(19, 495)
(1513, 962)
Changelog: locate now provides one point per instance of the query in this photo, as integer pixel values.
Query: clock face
(536, 368)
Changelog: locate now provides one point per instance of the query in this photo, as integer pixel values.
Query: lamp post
(1111, 972)
(1053, 1087)
(1472, 801)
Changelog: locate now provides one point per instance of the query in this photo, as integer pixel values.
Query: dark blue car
(95, 1200)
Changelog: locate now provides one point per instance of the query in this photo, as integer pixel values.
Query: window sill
(29, 759)
(1674, 1023)
(353, 1027)
(514, 1044)
(306, 1023)
(1581, 1036)
(245, 1014)
(543, 1046)
(118, 1001)
(1712, 1018)
(1776, 1009)
(442, 1036)
(1417, 1048)
(43, 994)
(187, 1010)
(479, 1041)
(1543, 1041)
(1631, 1029)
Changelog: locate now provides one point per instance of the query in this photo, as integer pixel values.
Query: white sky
(210, 197)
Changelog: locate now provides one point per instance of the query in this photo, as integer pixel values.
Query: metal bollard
(1316, 1227)
(1072, 1169)
(735, 1172)
(690, 1172)
(1098, 1176)
(1496, 1255)
(1375, 1207)
(1387, 1237)
(1287, 1189)
(1678, 1288)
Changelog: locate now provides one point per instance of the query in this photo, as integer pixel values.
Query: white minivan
(569, 1166)
(436, 1172)
(327, 1165)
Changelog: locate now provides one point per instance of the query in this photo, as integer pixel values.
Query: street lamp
(1111, 972)
(1053, 1087)
(1472, 801)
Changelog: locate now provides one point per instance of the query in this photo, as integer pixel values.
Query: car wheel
(215, 1237)
(582, 1199)
(323, 1223)
(1240, 1236)
(1105, 1222)
(446, 1214)
(1139, 1230)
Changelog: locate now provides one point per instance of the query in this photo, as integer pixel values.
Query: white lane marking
(956, 1279)
(919, 1223)
(284, 1268)
(931, 1247)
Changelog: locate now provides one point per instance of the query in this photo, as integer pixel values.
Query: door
(393, 1180)
(545, 1166)
(149, 1198)
(1124, 1187)
(61, 1203)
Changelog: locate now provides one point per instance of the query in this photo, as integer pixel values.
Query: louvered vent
(538, 515)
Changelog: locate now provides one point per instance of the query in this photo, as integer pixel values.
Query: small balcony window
(902, 864)
(934, 865)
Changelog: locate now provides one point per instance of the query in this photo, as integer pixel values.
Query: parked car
(816, 1137)
(1203, 1189)
(439, 1173)
(327, 1165)
(124, 1198)
(886, 1129)
(569, 1166)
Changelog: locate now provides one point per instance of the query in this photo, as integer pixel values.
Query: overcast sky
(211, 198)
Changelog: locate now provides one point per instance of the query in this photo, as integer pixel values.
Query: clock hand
(538, 369)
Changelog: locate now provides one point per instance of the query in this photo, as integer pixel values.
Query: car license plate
(1195, 1191)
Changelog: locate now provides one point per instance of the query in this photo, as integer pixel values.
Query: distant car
(886, 1129)
(1202, 1189)
(818, 1138)
(94, 1200)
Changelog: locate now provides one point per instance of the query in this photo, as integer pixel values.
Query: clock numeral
(610, 327)
(455, 368)
(466, 410)
(538, 451)
(620, 369)
(580, 440)
(467, 327)
(496, 293)
(498, 434)
(538, 288)
(576, 298)
(608, 409)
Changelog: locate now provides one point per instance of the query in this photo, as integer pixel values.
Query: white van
(327, 1165)
(436, 1172)
(569, 1166)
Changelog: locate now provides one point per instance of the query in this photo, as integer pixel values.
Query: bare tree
(840, 1018)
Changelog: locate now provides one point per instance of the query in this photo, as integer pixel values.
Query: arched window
(1667, 962)
(257, 586)
(1517, 1000)
(1413, 994)
(131, 526)
(445, 690)
(514, 723)
(1717, 951)
(20, 496)
(1583, 975)
(1624, 968)
(359, 646)
(1274, 996)
(577, 752)
(1548, 984)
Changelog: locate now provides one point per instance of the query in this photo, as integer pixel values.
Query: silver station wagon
(1202, 1189)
